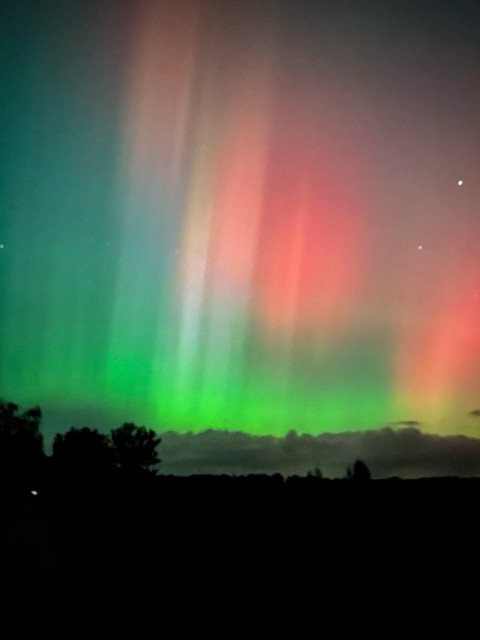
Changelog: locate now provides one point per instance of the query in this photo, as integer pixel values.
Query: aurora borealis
(242, 215)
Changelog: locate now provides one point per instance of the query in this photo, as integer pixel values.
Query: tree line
(79, 456)
(84, 458)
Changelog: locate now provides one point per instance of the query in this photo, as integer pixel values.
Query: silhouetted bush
(135, 449)
(83, 456)
(21, 447)
(360, 472)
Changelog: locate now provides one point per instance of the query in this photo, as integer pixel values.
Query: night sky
(252, 216)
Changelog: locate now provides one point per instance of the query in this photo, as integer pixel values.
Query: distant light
(420, 247)
(460, 183)
(2, 246)
(34, 493)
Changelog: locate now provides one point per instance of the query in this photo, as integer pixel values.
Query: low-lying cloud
(400, 449)
(406, 452)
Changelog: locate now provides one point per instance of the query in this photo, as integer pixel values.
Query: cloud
(405, 423)
(404, 452)
(400, 449)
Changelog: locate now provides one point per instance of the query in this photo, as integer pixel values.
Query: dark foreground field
(241, 557)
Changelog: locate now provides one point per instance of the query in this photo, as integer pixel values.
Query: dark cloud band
(404, 452)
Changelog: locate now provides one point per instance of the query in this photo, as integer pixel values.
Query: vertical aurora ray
(439, 363)
(212, 218)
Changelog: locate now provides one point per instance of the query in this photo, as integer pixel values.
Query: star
(2, 246)
(460, 183)
(420, 247)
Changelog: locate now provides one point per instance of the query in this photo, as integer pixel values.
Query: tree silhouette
(21, 446)
(83, 455)
(360, 472)
(135, 449)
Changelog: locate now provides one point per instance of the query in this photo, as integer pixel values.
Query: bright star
(460, 183)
